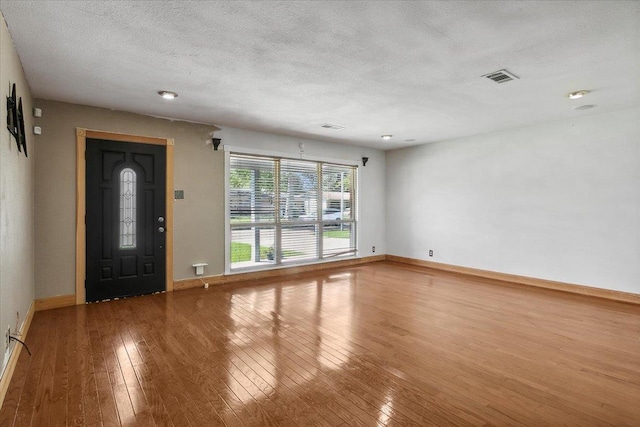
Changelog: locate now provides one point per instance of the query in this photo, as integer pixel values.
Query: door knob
(161, 229)
(160, 219)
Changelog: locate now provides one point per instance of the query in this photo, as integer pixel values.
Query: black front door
(125, 219)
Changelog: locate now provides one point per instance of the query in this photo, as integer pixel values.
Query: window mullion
(277, 238)
(319, 209)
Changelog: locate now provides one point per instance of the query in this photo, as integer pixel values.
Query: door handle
(160, 219)
(161, 229)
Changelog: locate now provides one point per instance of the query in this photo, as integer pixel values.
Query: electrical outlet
(430, 252)
(6, 337)
(373, 249)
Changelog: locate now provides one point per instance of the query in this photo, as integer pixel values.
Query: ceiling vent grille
(329, 126)
(501, 76)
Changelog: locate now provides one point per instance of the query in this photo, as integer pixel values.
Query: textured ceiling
(411, 69)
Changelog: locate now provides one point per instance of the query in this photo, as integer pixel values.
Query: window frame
(278, 222)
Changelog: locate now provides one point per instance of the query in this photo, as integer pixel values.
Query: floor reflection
(283, 333)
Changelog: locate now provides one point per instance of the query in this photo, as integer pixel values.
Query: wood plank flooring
(374, 345)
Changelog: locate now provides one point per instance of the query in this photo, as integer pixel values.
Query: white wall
(557, 201)
(371, 178)
(16, 199)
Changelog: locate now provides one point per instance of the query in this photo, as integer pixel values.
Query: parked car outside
(327, 215)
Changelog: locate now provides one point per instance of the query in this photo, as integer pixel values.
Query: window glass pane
(127, 209)
(251, 189)
(278, 207)
(338, 240)
(337, 187)
(299, 242)
(251, 246)
(298, 190)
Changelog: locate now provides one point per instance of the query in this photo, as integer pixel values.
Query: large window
(290, 211)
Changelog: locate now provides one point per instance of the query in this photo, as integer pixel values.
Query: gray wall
(16, 199)
(557, 201)
(199, 227)
(198, 171)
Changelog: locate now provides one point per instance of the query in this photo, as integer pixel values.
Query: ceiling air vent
(501, 76)
(328, 126)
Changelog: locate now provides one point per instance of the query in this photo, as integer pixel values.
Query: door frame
(81, 229)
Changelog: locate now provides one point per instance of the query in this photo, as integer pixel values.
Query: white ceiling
(411, 69)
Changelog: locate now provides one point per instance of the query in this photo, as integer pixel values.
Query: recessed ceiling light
(386, 136)
(577, 95)
(167, 94)
(585, 107)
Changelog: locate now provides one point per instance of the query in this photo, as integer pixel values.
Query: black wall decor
(15, 120)
(22, 136)
(12, 112)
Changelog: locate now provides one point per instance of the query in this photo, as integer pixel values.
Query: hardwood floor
(378, 344)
